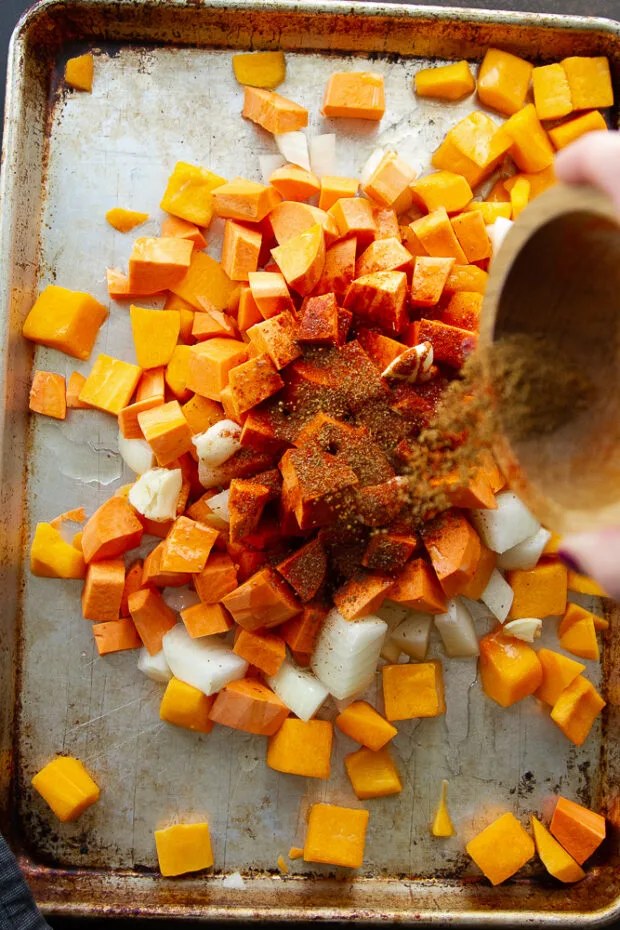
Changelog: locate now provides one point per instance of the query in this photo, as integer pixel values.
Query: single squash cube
(167, 431)
(558, 673)
(52, 557)
(414, 690)
(65, 320)
(301, 748)
(184, 848)
(185, 706)
(188, 194)
(577, 633)
(503, 81)
(552, 96)
(67, 787)
(110, 384)
(372, 774)
(501, 849)
(364, 724)
(79, 72)
(448, 82)
(336, 835)
(509, 669)
(539, 592)
(590, 82)
(579, 830)
(553, 856)
(576, 709)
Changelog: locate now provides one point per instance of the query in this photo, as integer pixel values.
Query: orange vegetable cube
(451, 345)
(372, 774)
(187, 546)
(79, 72)
(110, 384)
(112, 530)
(217, 579)
(116, 636)
(576, 709)
(354, 216)
(240, 250)
(152, 573)
(361, 595)
(263, 650)
(577, 633)
(437, 236)
(185, 706)
(472, 235)
(295, 183)
(182, 229)
(501, 849)
(206, 280)
(553, 856)
(466, 278)
(509, 669)
(576, 582)
(167, 431)
(176, 372)
(155, 334)
(539, 592)
(156, 264)
(152, 617)
(210, 363)
(429, 280)
(125, 220)
(380, 298)
(417, 586)
(336, 835)
(301, 748)
(249, 313)
(338, 271)
(133, 582)
(184, 848)
(291, 218)
(364, 724)
(188, 193)
(277, 337)
(558, 673)
(448, 82)
(301, 259)
(270, 293)
(519, 196)
(531, 148)
(552, 96)
(389, 184)
(74, 386)
(579, 830)
(272, 111)
(151, 385)
(473, 148)
(463, 310)
(442, 189)
(251, 706)
(589, 80)
(358, 94)
(128, 417)
(103, 590)
(305, 570)
(334, 188)
(67, 787)
(384, 255)
(489, 210)
(503, 81)
(206, 620)
(65, 320)
(48, 395)
(415, 690)
(245, 200)
(454, 548)
(572, 129)
(263, 600)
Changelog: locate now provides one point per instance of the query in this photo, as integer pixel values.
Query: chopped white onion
(412, 635)
(234, 881)
(154, 667)
(390, 651)
(156, 492)
(219, 443)
(218, 504)
(525, 555)
(498, 596)
(497, 232)
(507, 526)
(269, 164)
(347, 651)
(294, 147)
(370, 166)
(457, 632)
(323, 154)
(392, 613)
(136, 454)
(206, 663)
(298, 688)
(528, 629)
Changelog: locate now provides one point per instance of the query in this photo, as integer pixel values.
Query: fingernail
(570, 561)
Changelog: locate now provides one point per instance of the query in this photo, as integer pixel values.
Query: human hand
(594, 159)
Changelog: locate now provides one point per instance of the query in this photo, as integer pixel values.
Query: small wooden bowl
(557, 274)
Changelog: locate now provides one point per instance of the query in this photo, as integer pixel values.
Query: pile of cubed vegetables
(267, 419)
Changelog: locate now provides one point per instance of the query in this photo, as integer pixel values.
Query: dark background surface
(11, 10)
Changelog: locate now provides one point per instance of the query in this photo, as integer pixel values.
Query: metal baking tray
(164, 91)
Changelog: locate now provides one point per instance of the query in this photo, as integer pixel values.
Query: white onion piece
(525, 555)
(298, 688)
(218, 504)
(156, 492)
(219, 443)
(370, 166)
(498, 596)
(507, 526)
(269, 164)
(497, 232)
(457, 632)
(294, 147)
(323, 154)
(390, 651)
(392, 613)
(346, 652)
(154, 667)
(412, 635)
(235, 881)
(136, 454)
(528, 629)
(206, 663)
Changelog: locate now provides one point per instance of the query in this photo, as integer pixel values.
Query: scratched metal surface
(79, 155)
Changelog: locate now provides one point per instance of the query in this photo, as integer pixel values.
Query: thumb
(596, 555)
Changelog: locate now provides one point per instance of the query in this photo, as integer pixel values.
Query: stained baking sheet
(164, 91)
